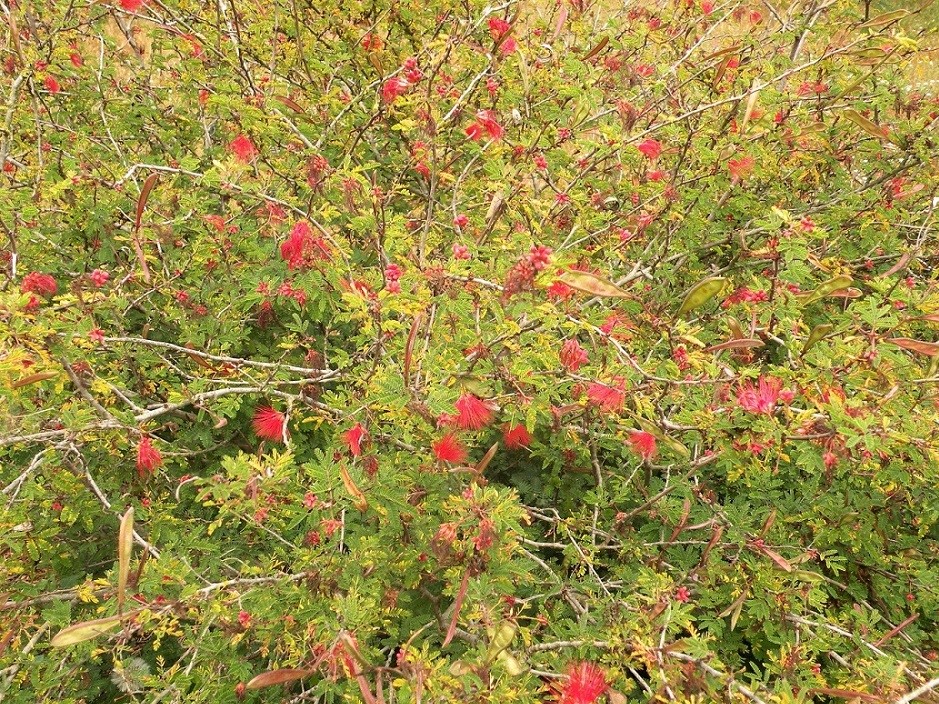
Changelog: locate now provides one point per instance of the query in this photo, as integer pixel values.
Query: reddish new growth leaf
(650, 148)
(761, 398)
(270, 424)
(353, 438)
(243, 149)
(35, 282)
(586, 682)
(449, 449)
(607, 398)
(515, 436)
(148, 457)
(643, 444)
(472, 413)
(573, 356)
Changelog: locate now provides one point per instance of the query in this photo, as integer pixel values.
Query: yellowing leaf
(125, 546)
(826, 289)
(735, 344)
(701, 293)
(598, 47)
(871, 128)
(930, 349)
(816, 335)
(501, 638)
(86, 630)
(592, 284)
(33, 378)
(273, 677)
(358, 498)
(885, 19)
(511, 664)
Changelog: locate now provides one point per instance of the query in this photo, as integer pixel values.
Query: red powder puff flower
(573, 356)
(243, 149)
(761, 398)
(586, 682)
(270, 424)
(302, 248)
(608, 398)
(515, 436)
(148, 457)
(643, 443)
(353, 438)
(51, 84)
(449, 449)
(132, 5)
(650, 148)
(472, 413)
(35, 282)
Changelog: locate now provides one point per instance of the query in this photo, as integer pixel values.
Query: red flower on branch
(573, 356)
(35, 282)
(302, 248)
(760, 398)
(607, 398)
(449, 449)
(485, 122)
(148, 457)
(243, 148)
(472, 412)
(393, 88)
(643, 443)
(353, 438)
(650, 148)
(586, 682)
(270, 424)
(515, 436)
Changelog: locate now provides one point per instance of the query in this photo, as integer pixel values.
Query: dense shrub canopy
(452, 351)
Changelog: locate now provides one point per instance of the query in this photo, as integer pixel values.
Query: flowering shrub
(452, 351)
